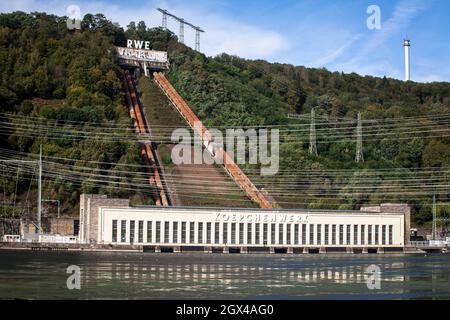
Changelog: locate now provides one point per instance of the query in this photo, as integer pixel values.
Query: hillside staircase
(217, 152)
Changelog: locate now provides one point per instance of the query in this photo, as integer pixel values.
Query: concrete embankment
(68, 247)
(197, 249)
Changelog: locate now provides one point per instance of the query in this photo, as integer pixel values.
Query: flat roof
(273, 210)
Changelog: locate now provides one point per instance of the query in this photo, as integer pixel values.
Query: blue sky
(312, 33)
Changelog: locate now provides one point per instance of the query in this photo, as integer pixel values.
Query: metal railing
(434, 243)
(194, 122)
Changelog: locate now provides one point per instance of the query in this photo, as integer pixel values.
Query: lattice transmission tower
(312, 134)
(359, 149)
(182, 22)
(39, 179)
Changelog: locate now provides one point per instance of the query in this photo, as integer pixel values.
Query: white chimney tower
(407, 44)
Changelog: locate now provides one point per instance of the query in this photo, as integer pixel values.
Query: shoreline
(235, 250)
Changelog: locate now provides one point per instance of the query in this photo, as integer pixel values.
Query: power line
(381, 121)
(39, 163)
(283, 186)
(202, 193)
(7, 154)
(166, 132)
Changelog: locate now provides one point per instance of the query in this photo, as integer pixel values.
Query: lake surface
(43, 275)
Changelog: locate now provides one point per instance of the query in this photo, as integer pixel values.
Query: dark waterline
(42, 275)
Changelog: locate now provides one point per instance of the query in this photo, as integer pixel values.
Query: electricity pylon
(359, 151)
(312, 135)
(39, 195)
(182, 22)
(433, 231)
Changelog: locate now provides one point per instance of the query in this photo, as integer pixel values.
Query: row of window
(319, 234)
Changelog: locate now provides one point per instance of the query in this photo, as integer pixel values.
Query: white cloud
(113, 12)
(222, 33)
(242, 40)
(337, 52)
(368, 60)
(429, 78)
(425, 70)
(312, 41)
(380, 67)
(404, 12)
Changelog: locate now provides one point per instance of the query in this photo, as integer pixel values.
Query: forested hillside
(70, 82)
(69, 79)
(405, 129)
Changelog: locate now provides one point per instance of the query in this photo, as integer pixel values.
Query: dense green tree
(436, 154)
(61, 75)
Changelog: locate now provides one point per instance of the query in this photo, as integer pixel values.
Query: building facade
(382, 226)
(64, 226)
(89, 206)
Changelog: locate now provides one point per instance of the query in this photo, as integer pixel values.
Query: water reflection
(233, 273)
(136, 276)
(226, 279)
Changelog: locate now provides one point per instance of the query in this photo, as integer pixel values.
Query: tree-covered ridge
(231, 91)
(298, 89)
(70, 81)
(71, 76)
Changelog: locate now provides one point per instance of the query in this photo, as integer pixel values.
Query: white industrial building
(115, 222)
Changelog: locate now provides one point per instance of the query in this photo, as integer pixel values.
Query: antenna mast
(39, 208)
(407, 45)
(433, 231)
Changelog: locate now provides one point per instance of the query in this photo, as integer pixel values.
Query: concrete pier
(207, 249)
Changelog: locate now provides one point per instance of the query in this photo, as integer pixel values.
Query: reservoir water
(113, 275)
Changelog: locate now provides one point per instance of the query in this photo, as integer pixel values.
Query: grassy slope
(160, 113)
